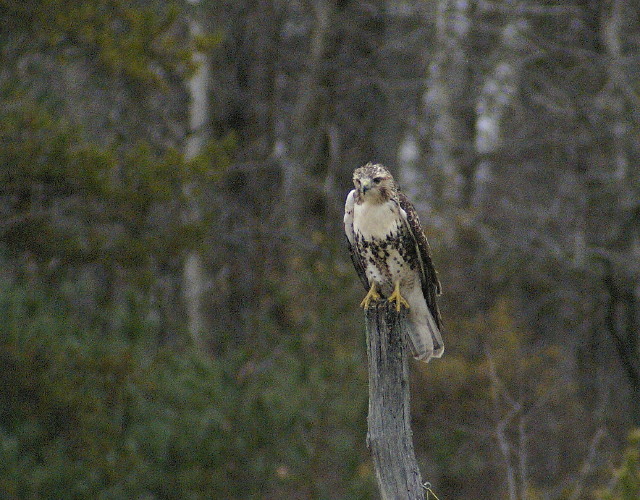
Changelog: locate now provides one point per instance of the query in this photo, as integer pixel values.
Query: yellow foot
(397, 298)
(372, 295)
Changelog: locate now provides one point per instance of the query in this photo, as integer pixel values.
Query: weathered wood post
(389, 436)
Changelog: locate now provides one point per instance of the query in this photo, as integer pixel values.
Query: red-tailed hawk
(391, 255)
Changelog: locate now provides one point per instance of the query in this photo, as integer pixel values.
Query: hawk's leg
(372, 295)
(397, 298)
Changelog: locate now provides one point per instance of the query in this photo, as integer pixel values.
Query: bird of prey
(391, 255)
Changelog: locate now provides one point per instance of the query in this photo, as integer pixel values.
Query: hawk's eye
(377, 180)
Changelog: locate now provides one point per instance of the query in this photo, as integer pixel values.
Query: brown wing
(357, 263)
(431, 287)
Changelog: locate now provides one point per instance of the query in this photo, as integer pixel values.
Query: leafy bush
(89, 415)
(625, 484)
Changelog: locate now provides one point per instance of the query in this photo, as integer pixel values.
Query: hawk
(391, 255)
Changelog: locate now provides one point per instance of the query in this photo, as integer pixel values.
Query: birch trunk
(447, 100)
(499, 92)
(193, 273)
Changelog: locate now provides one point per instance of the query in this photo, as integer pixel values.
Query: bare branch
(587, 465)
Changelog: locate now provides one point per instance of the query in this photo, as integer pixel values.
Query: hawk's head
(373, 183)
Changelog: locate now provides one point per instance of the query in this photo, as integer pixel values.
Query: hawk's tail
(424, 334)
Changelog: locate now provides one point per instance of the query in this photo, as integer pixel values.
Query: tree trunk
(193, 273)
(496, 96)
(389, 436)
(449, 103)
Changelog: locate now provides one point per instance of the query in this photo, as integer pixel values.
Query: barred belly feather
(385, 245)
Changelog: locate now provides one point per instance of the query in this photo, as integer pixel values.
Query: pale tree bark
(618, 91)
(193, 272)
(308, 122)
(499, 91)
(411, 176)
(448, 101)
(502, 422)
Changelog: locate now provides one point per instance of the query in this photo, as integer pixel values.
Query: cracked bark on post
(389, 436)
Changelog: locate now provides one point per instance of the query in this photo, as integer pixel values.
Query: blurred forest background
(179, 315)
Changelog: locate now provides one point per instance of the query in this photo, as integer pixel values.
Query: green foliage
(84, 202)
(88, 415)
(497, 399)
(94, 417)
(75, 195)
(625, 484)
(131, 41)
(313, 381)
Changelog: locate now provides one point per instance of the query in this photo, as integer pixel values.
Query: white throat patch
(376, 220)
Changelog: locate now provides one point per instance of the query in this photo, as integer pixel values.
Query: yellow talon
(372, 295)
(397, 298)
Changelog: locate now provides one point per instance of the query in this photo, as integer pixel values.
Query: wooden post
(389, 436)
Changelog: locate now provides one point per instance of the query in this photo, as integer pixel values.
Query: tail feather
(426, 341)
(424, 334)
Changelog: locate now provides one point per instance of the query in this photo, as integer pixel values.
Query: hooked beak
(366, 185)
